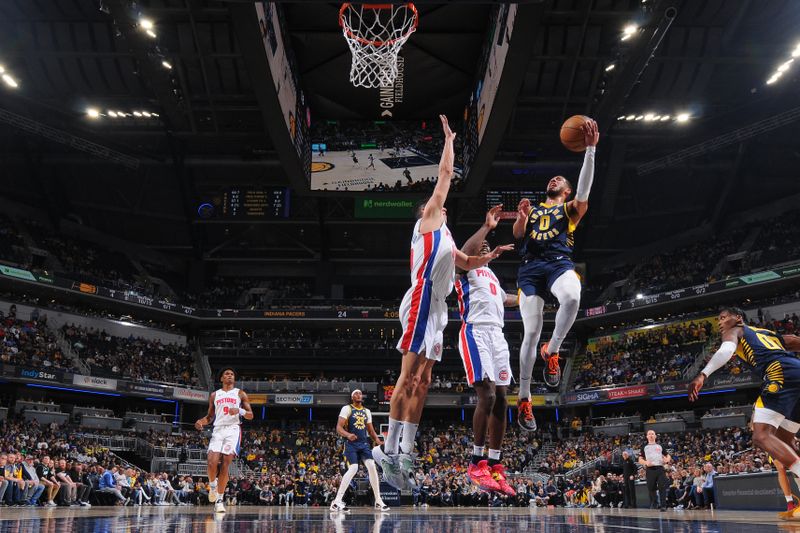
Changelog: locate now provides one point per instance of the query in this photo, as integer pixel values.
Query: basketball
(572, 133)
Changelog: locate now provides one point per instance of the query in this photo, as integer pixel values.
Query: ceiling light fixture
(11, 82)
(93, 113)
(611, 67)
(151, 33)
(166, 64)
(147, 24)
(682, 117)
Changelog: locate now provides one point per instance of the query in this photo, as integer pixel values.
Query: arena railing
(308, 386)
(115, 442)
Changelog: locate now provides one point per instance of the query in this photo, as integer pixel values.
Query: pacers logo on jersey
(360, 421)
(543, 222)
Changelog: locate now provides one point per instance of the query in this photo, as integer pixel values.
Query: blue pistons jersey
(548, 233)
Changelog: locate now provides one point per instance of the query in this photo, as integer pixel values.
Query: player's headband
(354, 392)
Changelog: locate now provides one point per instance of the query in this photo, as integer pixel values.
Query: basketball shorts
(423, 316)
(778, 403)
(536, 276)
(484, 352)
(357, 451)
(226, 439)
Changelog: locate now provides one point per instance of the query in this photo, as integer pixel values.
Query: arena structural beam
(152, 73)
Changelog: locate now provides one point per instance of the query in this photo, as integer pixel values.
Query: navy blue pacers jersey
(549, 233)
(356, 422)
(763, 350)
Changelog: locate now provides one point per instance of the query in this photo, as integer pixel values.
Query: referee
(654, 458)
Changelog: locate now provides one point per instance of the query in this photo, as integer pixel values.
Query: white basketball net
(375, 34)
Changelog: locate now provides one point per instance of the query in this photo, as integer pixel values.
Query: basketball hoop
(375, 34)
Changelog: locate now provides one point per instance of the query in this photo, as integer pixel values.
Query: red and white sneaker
(499, 475)
(482, 476)
(552, 373)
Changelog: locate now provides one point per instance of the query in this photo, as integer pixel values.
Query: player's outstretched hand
(695, 386)
(591, 134)
(448, 133)
(199, 425)
(493, 216)
(497, 252)
(523, 208)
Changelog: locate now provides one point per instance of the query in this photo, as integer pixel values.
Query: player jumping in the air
(547, 265)
(423, 314)
(771, 355)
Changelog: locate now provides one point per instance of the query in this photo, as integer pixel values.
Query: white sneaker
(212, 494)
(339, 507)
(382, 507)
(219, 507)
(391, 468)
(406, 462)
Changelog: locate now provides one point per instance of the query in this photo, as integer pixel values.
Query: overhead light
(665, 118)
(785, 66)
(151, 33)
(166, 64)
(112, 114)
(773, 79)
(610, 67)
(657, 117)
(796, 51)
(682, 117)
(2, 69)
(630, 117)
(621, 118)
(628, 31)
(146, 113)
(640, 117)
(93, 113)
(639, 296)
(649, 117)
(11, 82)
(137, 114)
(154, 114)
(146, 24)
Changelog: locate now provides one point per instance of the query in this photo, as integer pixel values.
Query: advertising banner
(94, 382)
(142, 388)
(627, 392)
(292, 399)
(41, 375)
(190, 395)
(584, 397)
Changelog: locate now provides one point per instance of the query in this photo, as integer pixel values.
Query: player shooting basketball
(546, 253)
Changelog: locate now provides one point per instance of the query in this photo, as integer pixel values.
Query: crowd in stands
(12, 245)
(30, 343)
(131, 358)
(778, 241)
(643, 356)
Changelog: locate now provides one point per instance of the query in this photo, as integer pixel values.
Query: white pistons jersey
(223, 402)
(433, 259)
(481, 299)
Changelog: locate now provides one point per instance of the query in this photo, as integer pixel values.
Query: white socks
(531, 308)
(346, 479)
(477, 451)
(373, 480)
(494, 454)
(392, 442)
(567, 289)
(409, 434)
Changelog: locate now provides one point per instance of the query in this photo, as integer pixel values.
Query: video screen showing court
(379, 155)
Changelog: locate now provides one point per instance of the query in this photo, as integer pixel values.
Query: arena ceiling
(710, 61)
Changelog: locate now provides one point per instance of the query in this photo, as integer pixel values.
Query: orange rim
(377, 7)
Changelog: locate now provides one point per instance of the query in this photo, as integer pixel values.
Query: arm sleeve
(586, 176)
(369, 416)
(718, 360)
(345, 412)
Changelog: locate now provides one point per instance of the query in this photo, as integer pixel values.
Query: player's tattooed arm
(792, 342)
(209, 416)
(246, 408)
(523, 211)
(473, 244)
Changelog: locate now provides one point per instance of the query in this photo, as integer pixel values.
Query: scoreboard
(510, 199)
(242, 202)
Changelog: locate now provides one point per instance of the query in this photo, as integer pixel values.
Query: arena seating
(31, 343)
(642, 356)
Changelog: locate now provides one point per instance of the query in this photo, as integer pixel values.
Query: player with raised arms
(771, 355)
(546, 253)
(487, 361)
(423, 315)
(226, 406)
